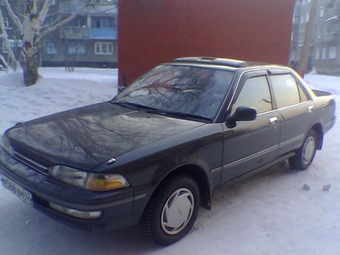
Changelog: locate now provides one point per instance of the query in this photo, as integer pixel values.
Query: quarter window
(255, 93)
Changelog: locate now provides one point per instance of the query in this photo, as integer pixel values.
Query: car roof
(228, 63)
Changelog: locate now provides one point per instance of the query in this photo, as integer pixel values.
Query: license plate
(17, 190)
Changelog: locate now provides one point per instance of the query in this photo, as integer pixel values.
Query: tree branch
(3, 34)
(60, 24)
(14, 17)
(43, 12)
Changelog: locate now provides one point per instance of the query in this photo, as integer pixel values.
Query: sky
(270, 213)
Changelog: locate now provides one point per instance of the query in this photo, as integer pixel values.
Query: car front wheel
(305, 155)
(172, 210)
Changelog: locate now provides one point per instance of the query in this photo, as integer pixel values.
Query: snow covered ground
(271, 213)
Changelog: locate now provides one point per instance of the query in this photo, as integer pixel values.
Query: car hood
(88, 136)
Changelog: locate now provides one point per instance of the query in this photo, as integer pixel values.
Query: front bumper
(117, 206)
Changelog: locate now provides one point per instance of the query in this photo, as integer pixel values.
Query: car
(156, 152)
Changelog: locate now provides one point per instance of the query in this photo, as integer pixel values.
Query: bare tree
(32, 29)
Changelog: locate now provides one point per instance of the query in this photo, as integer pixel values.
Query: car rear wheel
(305, 155)
(172, 210)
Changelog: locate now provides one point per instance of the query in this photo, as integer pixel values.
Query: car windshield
(180, 91)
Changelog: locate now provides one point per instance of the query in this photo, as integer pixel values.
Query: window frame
(72, 45)
(101, 44)
(55, 49)
(333, 52)
(243, 81)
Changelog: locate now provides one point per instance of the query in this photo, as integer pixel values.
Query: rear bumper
(117, 206)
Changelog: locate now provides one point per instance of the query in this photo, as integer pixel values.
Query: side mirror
(241, 114)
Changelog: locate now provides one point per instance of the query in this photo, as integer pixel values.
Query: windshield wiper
(149, 109)
(185, 115)
(135, 106)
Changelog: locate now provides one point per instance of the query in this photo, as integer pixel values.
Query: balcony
(84, 33)
(332, 15)
(330, 37)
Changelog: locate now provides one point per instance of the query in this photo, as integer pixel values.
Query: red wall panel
(155, 31)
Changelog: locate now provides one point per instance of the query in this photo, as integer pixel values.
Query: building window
(105, 23)
(4, 47)
(317, 53)
(322, 11)
(6, 22)
(51, 48)
(295, 20)
(333, 52)
(76, 48)
(103, 48)
(13, 44)
(49, 20)
(307, 17)
(324, 52)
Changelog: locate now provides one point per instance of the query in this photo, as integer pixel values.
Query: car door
(251, 144)
(295, 108)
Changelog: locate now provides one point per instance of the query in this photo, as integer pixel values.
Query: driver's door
(251, 144)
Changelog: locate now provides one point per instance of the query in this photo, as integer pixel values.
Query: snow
(279, 211)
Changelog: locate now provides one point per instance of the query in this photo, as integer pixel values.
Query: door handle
(310, 108)
(273, 120)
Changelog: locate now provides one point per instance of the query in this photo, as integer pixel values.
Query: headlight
(104, 182)
(90, 181)
(5, 143)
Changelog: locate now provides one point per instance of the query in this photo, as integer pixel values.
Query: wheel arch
(319, 131)
(199, 176)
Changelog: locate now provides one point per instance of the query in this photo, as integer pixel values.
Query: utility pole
(305, 53)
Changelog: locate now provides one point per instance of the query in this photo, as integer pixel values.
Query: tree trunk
(29, 63)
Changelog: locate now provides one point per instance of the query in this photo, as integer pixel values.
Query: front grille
(26, 161)
(20, 162)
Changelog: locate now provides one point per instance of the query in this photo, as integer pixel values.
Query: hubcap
(177, 211)
(308, 150)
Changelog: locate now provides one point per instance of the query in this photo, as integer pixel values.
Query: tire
(171, 211)
(305, 155)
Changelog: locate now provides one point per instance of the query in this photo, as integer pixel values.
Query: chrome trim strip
(215, 170)
(27, 161)
(292, 140)
(258, 154)
(139, 197)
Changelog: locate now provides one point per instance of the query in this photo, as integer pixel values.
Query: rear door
(251, 144)
(295, 108)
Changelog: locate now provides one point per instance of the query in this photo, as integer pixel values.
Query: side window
(255, 93)
(286, 90)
